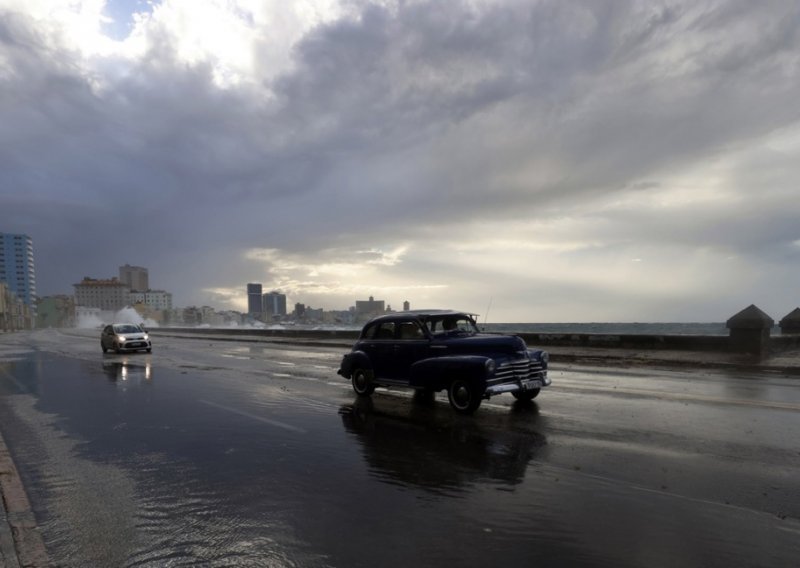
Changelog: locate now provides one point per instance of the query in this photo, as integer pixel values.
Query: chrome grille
(518, 370)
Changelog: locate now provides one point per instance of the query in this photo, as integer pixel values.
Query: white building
(110, 295)
(155, 299)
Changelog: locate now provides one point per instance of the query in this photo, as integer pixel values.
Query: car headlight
(545, 357)
(146, 336)
(490, 366)
(121, 338)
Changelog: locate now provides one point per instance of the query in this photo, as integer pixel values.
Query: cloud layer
(578, 161)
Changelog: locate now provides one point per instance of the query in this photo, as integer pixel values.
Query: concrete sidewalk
(21, 544)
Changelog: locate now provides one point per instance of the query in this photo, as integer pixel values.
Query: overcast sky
(557, 161)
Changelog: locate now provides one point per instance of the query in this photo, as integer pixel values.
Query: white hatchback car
(125, 337)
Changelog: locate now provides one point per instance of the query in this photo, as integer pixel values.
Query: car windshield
(452, 324)
(129, 328)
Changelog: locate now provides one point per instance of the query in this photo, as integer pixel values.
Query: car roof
(421, 314)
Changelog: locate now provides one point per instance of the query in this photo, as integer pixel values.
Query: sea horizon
(613, 328)
(603, 328)
(600, 328)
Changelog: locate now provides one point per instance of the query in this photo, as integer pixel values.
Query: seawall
(710, 343)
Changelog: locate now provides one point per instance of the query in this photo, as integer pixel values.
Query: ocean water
(604, 328)
(714, 328)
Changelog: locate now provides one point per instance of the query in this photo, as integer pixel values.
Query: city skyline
(547, 161)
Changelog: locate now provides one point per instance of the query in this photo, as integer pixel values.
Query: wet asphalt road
(228, 454)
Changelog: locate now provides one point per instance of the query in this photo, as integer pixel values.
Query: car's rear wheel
(362, 382)
(464, 397)
(526, 396)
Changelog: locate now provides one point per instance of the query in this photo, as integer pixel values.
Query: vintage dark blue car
(434, 350)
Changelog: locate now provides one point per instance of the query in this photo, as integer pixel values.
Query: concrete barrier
(630, 341)
(322, 334)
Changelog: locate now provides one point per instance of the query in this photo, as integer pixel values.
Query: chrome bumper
(519, 386)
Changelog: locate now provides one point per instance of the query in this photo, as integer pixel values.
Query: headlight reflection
(125, 371)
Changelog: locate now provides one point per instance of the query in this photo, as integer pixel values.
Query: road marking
(269, 421)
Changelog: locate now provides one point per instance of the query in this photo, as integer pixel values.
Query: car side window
(410, 330)
(385, 330)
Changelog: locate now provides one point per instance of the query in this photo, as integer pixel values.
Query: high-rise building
(134, 277)
(17, 269)
(254, 306)
(274, 304)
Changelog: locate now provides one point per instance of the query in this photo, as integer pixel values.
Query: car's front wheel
(526, 396)
(362, 382)
(464, 397)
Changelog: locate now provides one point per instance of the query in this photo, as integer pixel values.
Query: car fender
(436, 373)
(354, 360)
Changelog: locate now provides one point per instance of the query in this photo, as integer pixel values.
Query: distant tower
(134, 277)
(406, 306)
(274, 304)
(254, 308)
(16, 267)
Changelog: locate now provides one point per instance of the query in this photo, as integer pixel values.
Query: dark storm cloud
(388, 123)
(607, 95)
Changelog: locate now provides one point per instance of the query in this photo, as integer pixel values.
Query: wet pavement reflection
(131, 464)
(421, 448)
(123, 371)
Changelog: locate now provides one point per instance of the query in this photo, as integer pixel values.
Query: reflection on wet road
(420, 448)
(124, 370)
(129, 463)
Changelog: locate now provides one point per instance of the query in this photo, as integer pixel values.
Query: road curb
(21, 543)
